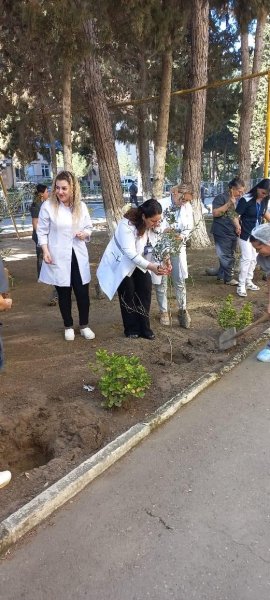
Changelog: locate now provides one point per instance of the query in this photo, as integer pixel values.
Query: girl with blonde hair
(64, 227)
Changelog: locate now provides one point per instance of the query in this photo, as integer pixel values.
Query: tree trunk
(161, 137)
(225, 162)
(66, 102)
(49, 127)
(211, 167)
(143, 131)
(215, 165)
(249, 94)
(103, 135)
(52, 146)
(196, 118)
(179, 154)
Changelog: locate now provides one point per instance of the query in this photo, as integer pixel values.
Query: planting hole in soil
(24, 459)
(178, 357)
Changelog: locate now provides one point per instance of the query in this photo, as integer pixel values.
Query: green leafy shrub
(245, 316)
(229, 317)
(121, 377)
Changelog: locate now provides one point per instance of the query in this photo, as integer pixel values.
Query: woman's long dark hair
(149, 208)
(264, 184)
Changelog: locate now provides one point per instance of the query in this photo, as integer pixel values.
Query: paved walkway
(186, 515)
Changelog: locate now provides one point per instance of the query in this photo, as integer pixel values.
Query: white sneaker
(69, 334)
(251, 286)
(241, 292)
(5, 477)
(87, 333)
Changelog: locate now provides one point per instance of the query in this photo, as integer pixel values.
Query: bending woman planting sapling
(126, 264)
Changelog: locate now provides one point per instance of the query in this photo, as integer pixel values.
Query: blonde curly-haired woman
(64, 227)
(183, 224)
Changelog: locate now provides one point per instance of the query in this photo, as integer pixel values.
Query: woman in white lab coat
(125, 267)
(64, 227)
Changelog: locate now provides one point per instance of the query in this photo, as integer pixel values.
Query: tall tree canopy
(67, 65)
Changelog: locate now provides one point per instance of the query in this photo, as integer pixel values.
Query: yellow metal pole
(267, 136)
(208, 86)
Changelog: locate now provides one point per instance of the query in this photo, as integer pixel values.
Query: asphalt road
(186, 515)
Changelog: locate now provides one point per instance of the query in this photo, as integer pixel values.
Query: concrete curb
(43, 505)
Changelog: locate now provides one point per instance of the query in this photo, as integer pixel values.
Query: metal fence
(89, 193)
(22, 198)
(213, 188)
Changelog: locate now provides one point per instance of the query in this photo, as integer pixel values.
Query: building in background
(39, 170)
(14, 174)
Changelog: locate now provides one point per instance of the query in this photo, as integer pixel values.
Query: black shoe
(148, 336)
(132, 336)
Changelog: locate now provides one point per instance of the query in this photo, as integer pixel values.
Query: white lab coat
(165, 202)
(57, 230)
(185, 223)
(122, 255)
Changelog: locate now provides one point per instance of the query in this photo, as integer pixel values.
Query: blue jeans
(225, 249)
(178, 284)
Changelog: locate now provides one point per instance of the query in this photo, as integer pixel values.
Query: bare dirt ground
(49, 423)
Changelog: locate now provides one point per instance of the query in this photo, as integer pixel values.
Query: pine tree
(249, 90)
(102, 131)
(199, 28)
(250, 17)
(257, 136)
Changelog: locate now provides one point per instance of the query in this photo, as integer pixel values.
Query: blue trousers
(225, 249)
(179, 285)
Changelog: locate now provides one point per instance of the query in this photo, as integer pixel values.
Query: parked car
(20, 185)
(127, 180)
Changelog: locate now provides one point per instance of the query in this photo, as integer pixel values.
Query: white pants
(247, 262)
